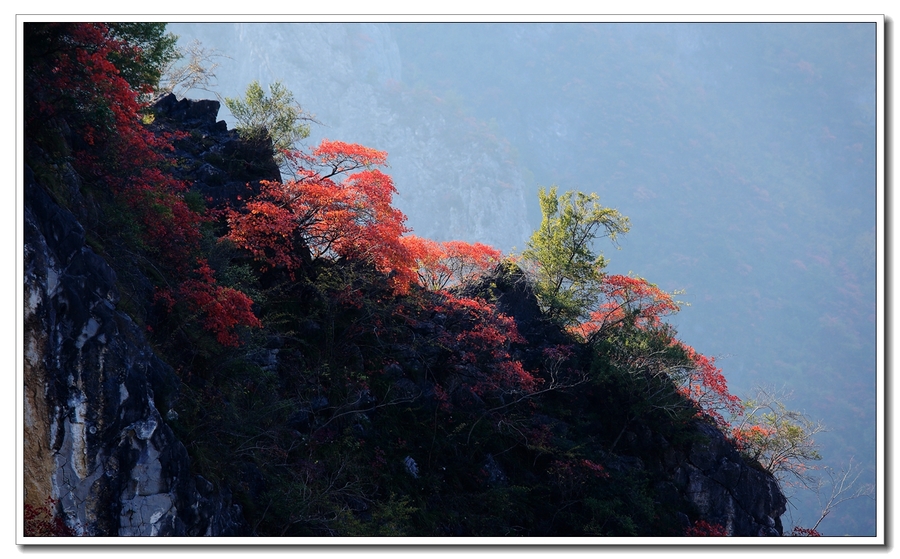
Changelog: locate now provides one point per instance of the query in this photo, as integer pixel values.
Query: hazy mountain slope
(456, 180)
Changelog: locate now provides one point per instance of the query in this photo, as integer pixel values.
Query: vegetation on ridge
(345, 378)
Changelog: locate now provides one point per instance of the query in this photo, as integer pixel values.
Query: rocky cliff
(97, 397)
(725, 489)
(704, 473)
(99, 400)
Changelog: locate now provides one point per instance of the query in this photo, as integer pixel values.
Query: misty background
(744, 155)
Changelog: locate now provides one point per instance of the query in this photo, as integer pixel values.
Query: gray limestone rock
(95, 440)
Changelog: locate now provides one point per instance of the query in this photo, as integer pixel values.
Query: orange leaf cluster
(350, 219)
(628, 297)
(439, 265)
(753, 435)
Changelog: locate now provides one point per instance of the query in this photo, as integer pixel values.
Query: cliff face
(705, 473)
(98, 398)
(96, 394)
(725, 489)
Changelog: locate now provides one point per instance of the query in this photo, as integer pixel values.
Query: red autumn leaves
(72, 77)
(338, 206)
(224, 308)
(479, 339)
(636, 302)
(627, 297)
(440, 265)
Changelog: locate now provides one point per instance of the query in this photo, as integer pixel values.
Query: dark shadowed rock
(728, 491)
(95, 440)
(216, 162)
(709, 473)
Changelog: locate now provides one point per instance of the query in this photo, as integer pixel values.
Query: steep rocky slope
(99, 399)
(705, 473)
(95, 398)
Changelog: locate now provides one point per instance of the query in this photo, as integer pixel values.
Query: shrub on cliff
(276, 116)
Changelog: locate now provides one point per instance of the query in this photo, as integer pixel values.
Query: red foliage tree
(635, 303)
(467, 261)
(431, 270)
(351, 219)
(626, 297)
(71, 76)
(439, 265)
(754, 436)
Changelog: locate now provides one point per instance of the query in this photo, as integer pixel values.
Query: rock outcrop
(707, 474)
(726, 490)
(215, 161)
(97, 398)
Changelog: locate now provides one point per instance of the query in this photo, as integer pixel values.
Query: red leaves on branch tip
(352, 219)
(706, 386)
(469, 260)
(427, 254)
(745, 437)
(224, 308)
(439, 265)
(348, 156)
(624, 297)
(332, 158)
(702, 528)
(633, 301)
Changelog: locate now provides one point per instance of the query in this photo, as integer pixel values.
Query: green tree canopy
(277, 115)
(567, 271)
(152, 50)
